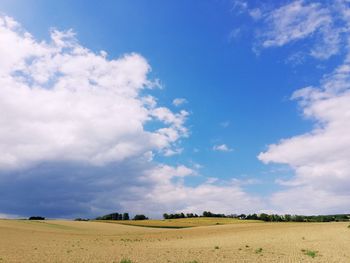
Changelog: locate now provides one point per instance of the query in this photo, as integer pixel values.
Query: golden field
(182, 222)
(69, 241)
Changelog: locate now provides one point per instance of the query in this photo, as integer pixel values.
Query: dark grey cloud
(60, 190)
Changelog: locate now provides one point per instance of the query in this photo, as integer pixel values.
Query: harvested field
(69, 241)
(182, 222)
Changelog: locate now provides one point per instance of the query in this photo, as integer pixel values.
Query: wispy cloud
(222, 148)
(239, 6)
(299, 20)
(179, 101)
(294, 21)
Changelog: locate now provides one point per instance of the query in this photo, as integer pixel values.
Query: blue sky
(236, 64)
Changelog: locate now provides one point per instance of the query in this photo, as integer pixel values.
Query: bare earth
(68, 241)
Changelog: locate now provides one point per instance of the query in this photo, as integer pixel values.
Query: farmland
(181, 222)
(70, 241)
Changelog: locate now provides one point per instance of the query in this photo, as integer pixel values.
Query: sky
(174, 106)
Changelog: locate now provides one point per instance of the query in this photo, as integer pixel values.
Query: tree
(126, 216)
(242, 216)
(265, 217)
(114, 216)
(140, 217)
(207, 214)
(287, 218)
(299, 218)
(36, 218)
(166, 216)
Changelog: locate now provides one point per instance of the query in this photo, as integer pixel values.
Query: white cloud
(174, 151)
(8, 216)
(320, 158)
(299, 20)
(62, 102)
(168, 196)
(222, 148)
(256, 13)
(239, 6)
(179, 101)
(309, 200)
(294, 21)
(77, 120)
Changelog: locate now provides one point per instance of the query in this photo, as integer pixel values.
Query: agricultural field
(182, 222)
(72, 241)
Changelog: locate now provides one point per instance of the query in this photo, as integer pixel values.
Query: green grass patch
(125, 260)
(259, 250)
(310, 253)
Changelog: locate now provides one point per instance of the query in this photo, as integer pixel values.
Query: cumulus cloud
(73, 136)
(64, 102)
(135, 186)
(309, 200)
(320, 158)
(222, 148)
(169, 193)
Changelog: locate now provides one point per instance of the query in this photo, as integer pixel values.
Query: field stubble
(68, 241)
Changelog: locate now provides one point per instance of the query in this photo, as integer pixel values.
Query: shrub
(36, 218)
(81, 219)
(310, 253)
(259, 250)
(140, 217)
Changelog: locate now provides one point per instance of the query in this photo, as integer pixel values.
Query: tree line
(121, 216)
(266, 217)
(263, 217)
(296, 218)
(191, 215)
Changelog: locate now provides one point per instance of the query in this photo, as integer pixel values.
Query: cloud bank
(64, 102)
(73, 136)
